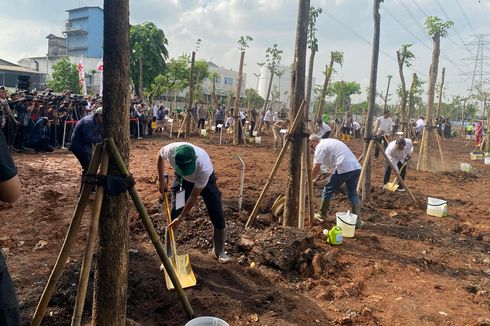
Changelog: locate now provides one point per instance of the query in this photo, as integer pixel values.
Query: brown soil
(404, 268)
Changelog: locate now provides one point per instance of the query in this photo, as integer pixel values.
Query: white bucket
(465, 167)
(204, 132)
(436, 207)
(207, 321)
(251, 140)
(487, 159)
(213, 128)
(258, 140)
(255, 133)
(347, 221)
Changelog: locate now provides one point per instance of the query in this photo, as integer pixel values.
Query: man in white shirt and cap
(344, 168)
(194, 177)
(324, 129)
(398, 152)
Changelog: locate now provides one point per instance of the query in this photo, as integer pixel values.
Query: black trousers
(211, 196)
(9, 307)
(403, 172)
(252, 127)
(200, 123)
(380, 140)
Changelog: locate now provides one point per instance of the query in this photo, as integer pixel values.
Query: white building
(226, 82)
(281, 83)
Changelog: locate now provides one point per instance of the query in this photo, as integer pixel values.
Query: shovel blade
(391, 186)
(185, 274)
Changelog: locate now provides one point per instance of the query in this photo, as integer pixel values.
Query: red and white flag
(81, 76)
(100, 69)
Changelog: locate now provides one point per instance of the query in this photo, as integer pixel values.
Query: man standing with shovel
(398, 152)
(194, 177)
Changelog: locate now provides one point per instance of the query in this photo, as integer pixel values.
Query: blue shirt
(87, 132)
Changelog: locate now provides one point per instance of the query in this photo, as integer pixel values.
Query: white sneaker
(223, 258)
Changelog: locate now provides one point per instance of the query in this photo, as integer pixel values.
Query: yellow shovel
(180, 263)
(392, 186)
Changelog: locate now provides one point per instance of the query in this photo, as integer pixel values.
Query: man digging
(194, 177)
(343, 167)
(398, 152)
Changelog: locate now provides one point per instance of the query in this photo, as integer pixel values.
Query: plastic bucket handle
(340, 218)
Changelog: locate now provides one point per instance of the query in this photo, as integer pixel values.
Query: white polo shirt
(336, 156)
(204, 167)
(394, 155)
(385, 126)
(323, 129)
(420, 124)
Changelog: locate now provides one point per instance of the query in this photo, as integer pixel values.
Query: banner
(81, 76)
(100, 69)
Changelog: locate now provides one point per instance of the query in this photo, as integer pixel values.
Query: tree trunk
(291, 207)
(427, 142)
(439, 105)
(366, 187)
(328, 73)
(188, 115)
(403, 103)
(236, 117)
(140, 86)
(411, 98)
(387, 92)
(215, 104)
(308, 87)
(111, 272)
(463, 109)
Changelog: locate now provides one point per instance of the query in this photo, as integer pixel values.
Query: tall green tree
(343, 91)
(148, 54)
(313, 46)
(254, 100)
(242, 46)
(436, 29)
(65, 77)
(335, 57)
(404, 57)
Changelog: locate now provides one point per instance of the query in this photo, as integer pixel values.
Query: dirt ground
(404, 268)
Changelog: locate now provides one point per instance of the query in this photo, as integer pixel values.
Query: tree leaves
(65, 77)
(435, 26)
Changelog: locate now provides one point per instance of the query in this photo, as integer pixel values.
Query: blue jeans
(336, 180)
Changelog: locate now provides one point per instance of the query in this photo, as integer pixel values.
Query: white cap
(99, 110)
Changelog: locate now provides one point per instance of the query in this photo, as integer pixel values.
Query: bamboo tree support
(283, 152)
(421, 148)
(367, 158)
(182, 125)
(140, 207)
(399, 178)
(69, 239)
(91, 241)
(309, 162)
(438, 140)
(302, 190)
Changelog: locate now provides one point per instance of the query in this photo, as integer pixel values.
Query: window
(218, 80)
(228, 81)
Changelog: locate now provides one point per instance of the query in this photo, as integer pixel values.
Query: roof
(50, 36)
(6, 63)
(16, 68)
(86, 7)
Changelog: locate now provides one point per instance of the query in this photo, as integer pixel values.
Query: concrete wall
(85, 32)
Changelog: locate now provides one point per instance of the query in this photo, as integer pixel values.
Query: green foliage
(335, 57)
(273, 57)
(149, 45)
(175, 79)
(435, 26)
(201, 72)
(344, 89)
(312, 40)
(65, 77)
(254, 100)
(243, 42)
(406, 55)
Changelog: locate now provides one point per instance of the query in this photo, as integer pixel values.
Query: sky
(344, 25)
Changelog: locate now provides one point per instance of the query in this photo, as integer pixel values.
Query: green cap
(185, 160)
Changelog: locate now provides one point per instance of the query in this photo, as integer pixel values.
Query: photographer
(40, 136)
(9, 192)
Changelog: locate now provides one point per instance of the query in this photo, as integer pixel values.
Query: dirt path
(405, 268)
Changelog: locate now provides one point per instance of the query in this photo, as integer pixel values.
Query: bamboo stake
(421, 149)
(89, 249)
(399, 178)
(67, 245)
(140, 207)
(283, 152)
(310, 184)
(440, 150)
(367, 158)
(302, 189)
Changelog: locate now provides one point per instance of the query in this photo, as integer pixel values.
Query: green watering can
(334, 236)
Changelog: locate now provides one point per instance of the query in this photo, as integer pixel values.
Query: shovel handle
(403, 165)
(169, 230)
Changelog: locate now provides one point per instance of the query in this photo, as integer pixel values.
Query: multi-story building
(225, 83)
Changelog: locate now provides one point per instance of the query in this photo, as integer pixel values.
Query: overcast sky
(345, 25)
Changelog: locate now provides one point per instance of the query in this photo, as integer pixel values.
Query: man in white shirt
(357, 129)
(419, 127)
(344, 168)
(398, 152)
(324, 129)
(267, 120)
(384, 130)
(194, 177)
